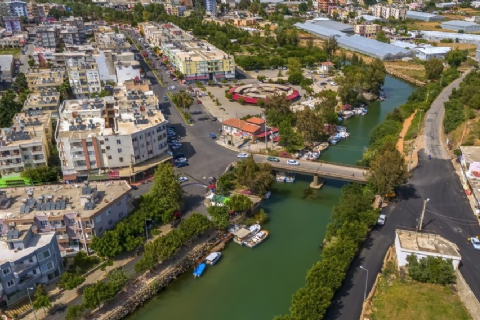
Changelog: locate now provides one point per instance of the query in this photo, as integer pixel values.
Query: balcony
(27, 281)
(62, 238)
(22, 268)
(10, 155)
(11, 165)
(78, 156)
(76, 147)
(37, 151)
(39, 160)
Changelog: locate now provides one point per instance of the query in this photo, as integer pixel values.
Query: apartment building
(198, 60)
(47, 37)
(175, 10)
(323, 5)
(26, 143)
(12, 23)
(6, 67)
(44, 79)
(127, 70)
(211, 7)
(44, 100)
(50, 36)
(109, 61)
(72, 213)
(125, 133)
(84, 80)
(42, 56)
(27, 259)
(367, 30)
(389, 11)
(13, 8)
(106, 39)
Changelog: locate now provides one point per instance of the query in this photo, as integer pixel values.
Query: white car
(475, 243)
(293, 162)
(182, 179)
(333, 83)
(242, 155)
(381, 220)
(178, 160)
(172, 88)
(176, 146)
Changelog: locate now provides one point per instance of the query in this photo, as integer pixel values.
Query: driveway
(448, 213)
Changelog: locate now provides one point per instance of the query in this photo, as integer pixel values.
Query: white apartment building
(25, 143)
(84, 80)
(117, 133)
(43, 100)
(389, 11)
(127, 71)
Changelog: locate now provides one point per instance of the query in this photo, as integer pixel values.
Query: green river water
(258, 283)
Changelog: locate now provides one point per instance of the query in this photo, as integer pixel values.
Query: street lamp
(31, 304)
(366, 284)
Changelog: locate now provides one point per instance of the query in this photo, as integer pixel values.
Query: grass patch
(13, 51)
(414, 128)
(82, 263)
(397, 299)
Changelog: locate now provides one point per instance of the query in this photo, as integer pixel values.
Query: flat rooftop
(55, 201)
(27, 128)
(36, 241)
(471, 153)
(42, 98)
(426, 242)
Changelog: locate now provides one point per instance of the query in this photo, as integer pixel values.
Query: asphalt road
(448, 214)
(348, 173)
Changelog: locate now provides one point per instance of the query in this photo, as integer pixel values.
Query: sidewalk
(67, 296)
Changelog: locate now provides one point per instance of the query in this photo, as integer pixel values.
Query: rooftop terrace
(427, 242)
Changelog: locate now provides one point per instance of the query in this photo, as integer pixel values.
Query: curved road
(448, 214)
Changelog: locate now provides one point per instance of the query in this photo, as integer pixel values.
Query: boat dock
(219, 245)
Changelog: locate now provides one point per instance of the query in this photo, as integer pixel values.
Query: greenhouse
(356, 43)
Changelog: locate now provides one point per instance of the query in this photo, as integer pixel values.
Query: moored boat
(213, 257)
(280, 177)
(199, 270)
(290, 178)
(254, 229)
(267, 195)
(257, 239)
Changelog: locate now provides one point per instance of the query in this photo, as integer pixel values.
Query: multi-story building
(125, 133)
(42, 56)
(323, 5)
(26, 143)
(47, 37)
(211, 7)
(197, 60)
(44, 100)
(84, 80)
(12, 23)
(389, 11)
(108, 60)
(107, 39)
(72, 213)
(27, 259)
(52, 36)
(175, 10)
(127, 70)
(44, 79)
(6, 68)
(14, 8)
(367, 30)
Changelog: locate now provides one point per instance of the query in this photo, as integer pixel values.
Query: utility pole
(423, 214)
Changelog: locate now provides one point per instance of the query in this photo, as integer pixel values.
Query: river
(258, 283)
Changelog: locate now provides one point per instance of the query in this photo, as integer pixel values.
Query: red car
(199, 102)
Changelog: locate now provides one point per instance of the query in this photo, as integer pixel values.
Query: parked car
(273, 159)
(171, 128)
(171, 134)
(475, 243)
(181, 164)
(179, 160)
(323, 83)
(133, 187)
(293, 162)
(212, 135)
(333, 83)
(242, 155)
(199, 102)
(173, 142)
(196, 112)
(176, 146)
(182, 179)
(214, 118)
(381, 220)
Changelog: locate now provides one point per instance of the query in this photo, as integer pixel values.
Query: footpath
(63, 298)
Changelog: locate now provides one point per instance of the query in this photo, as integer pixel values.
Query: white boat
(341, 129)
(257, 239)
(267, 195)
(314, 155)
(290, 178)
(254, 228)
(280, 177)
(347, 114)
(213, 257)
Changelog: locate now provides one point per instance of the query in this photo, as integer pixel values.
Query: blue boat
(199, 269)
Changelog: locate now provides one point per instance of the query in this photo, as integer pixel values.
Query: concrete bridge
(319, 170)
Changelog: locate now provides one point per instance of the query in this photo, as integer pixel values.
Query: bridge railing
(321, 172)
(325, 162)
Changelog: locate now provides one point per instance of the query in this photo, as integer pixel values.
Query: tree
(433, 68)
(257, 178)
(309, 125)
(289, 138)
(277, 109)
(294, 66)
(42, 300)
(108, 245)
(388, 170)
(239, 203)
(382, 37)
(65, 90)
(455, 58)
(183, 100)
(302, 7)
(330, 46)
(220, 216)
(8, 108)
(431, 270)
(295, 78)
(375, 76)
(41, 174)
(225, 183)
(118, 278)
(96, 294)
(166, 189)
(74, 312)
(70, 280)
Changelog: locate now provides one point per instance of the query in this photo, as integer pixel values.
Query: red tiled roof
(250, 128)
(242, 125)
(328, 63)
(255, 120)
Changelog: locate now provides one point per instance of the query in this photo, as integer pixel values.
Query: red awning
(70, 177)
(114, 174)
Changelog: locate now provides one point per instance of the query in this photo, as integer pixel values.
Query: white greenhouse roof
(411, 13)
(433, 50)
(451, 35)
(459, 23)
(357, 43)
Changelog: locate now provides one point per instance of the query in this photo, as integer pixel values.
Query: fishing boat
(280, 177)
(213, 257)
(257, 239)
(322, 146)
(254, 229)
(313, 156)
(341, 129)
(267, 195)
(347, 114)
(199, 270)
(290, 178)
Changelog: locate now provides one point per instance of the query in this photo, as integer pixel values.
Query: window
(148, 134)
(110, 222)
(71, 221)
(103, 150)
(89, 144)
(91, 153)
(134, 139)
(106, 139)
(108, 147)
(119, 141)
(44, 255)
(141, 137)
(120, 159)
(148, 143)
(109, 157)
(108, 212)
(26, 157)
(10, 283)
(46, 267)
(142, 145)
(6, 271)
(150, 151)
(120, 214)
(102, 142)
(44, 223)
(119, 150)
(98, 219)
(100, 230)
